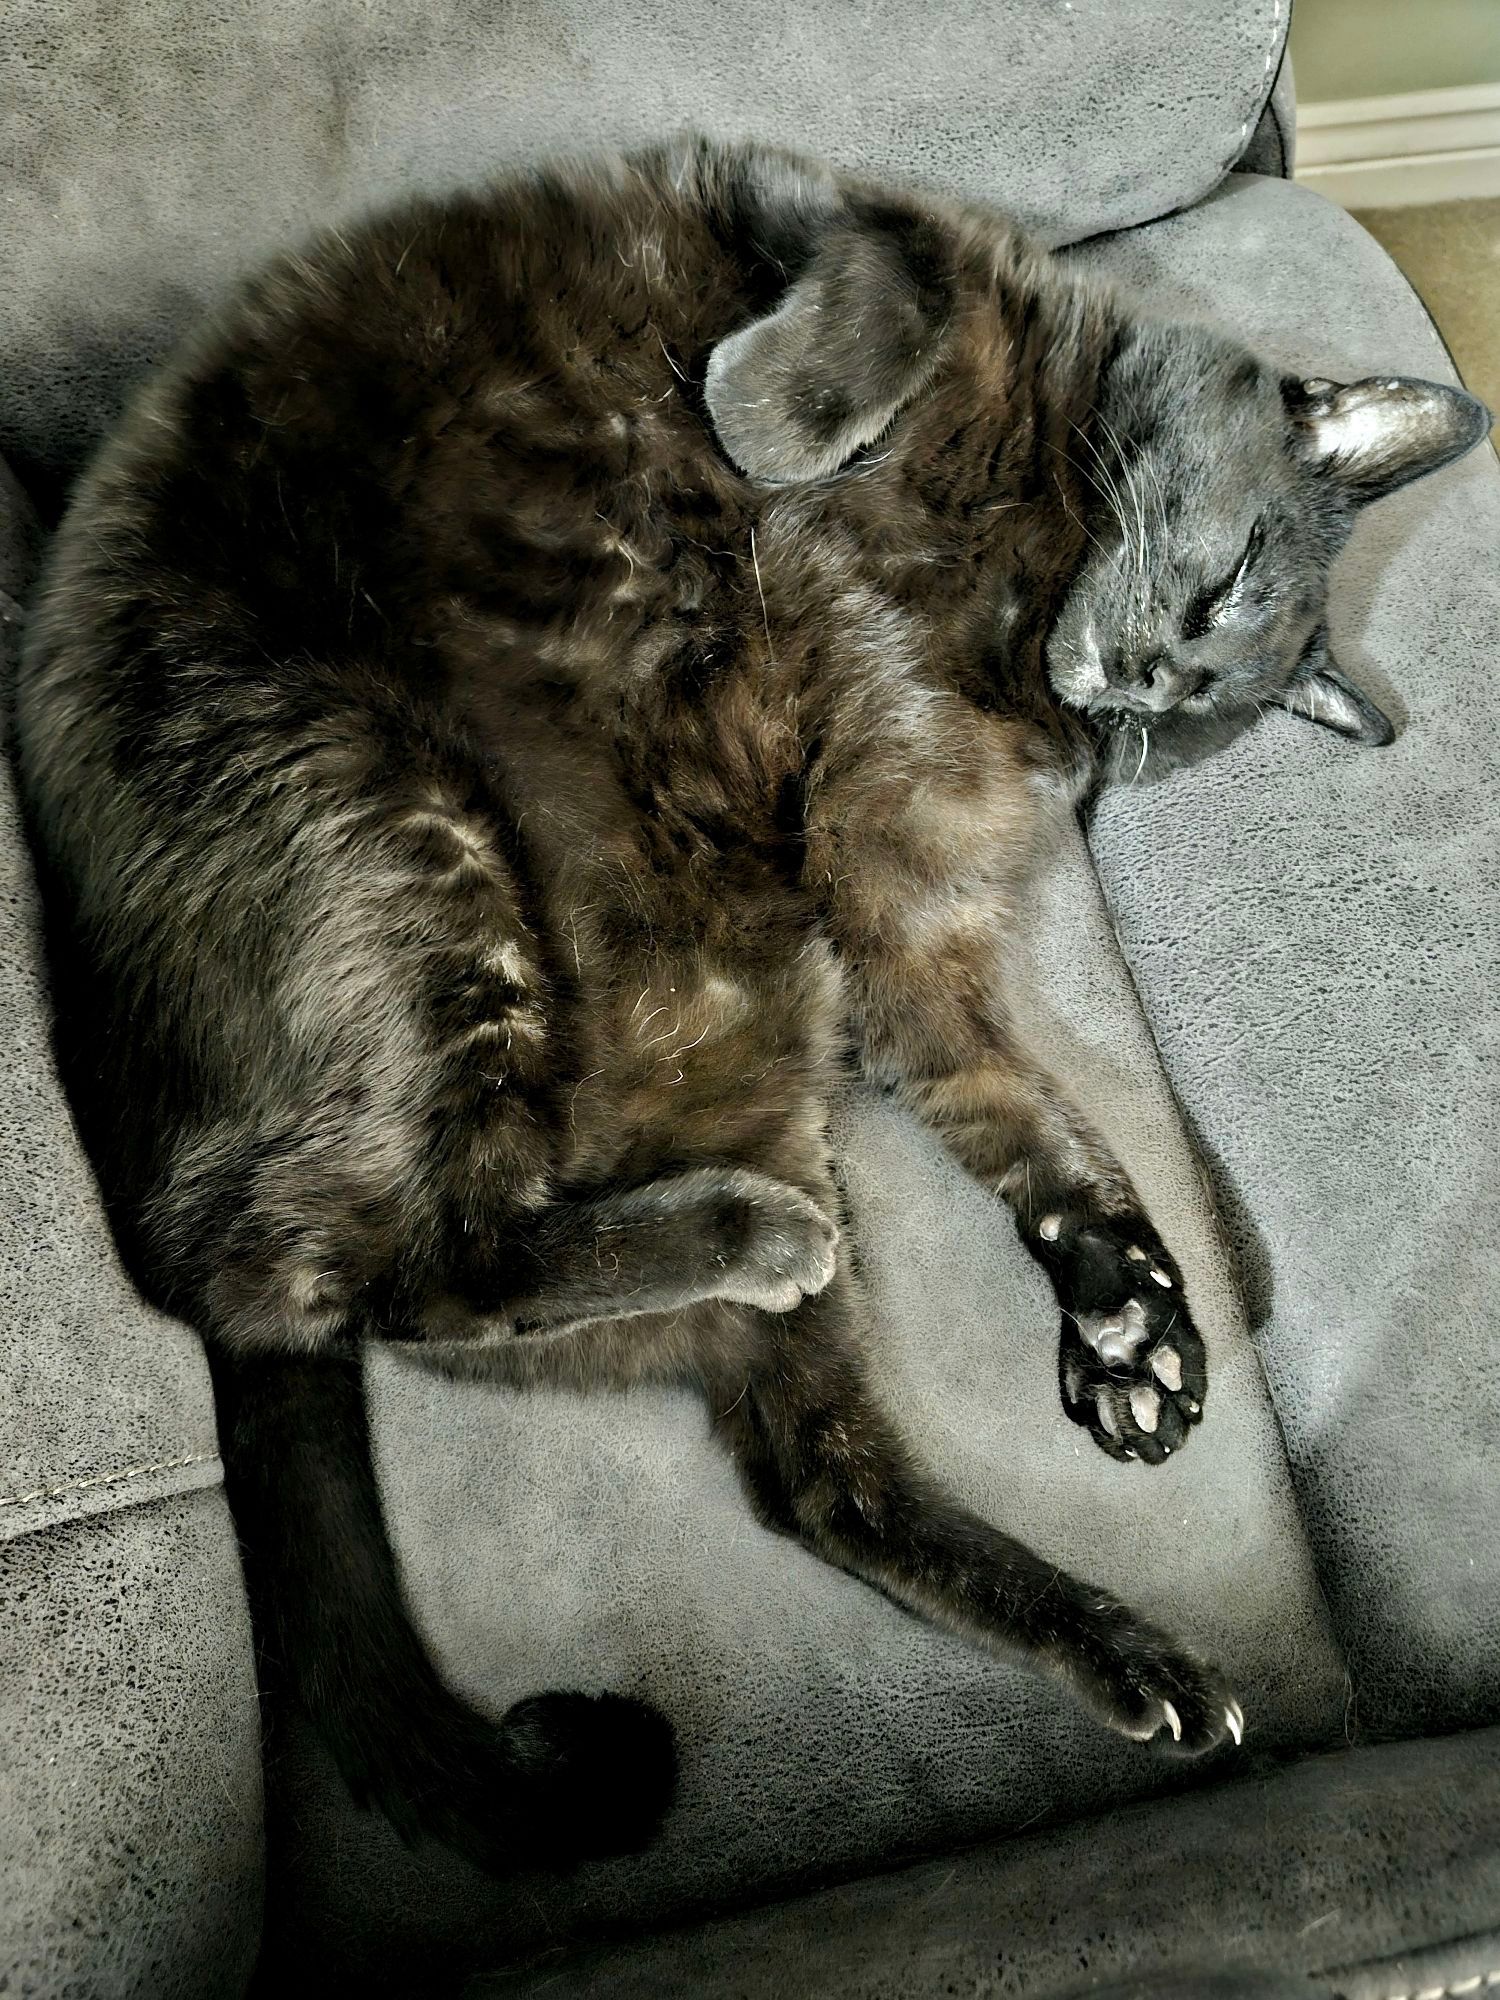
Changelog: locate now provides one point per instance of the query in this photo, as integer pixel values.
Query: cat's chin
(1141, 752)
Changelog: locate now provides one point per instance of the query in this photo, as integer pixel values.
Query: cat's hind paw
(1139, 1403)
(1139, 1685)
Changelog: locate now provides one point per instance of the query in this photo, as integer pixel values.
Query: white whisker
(760, 587)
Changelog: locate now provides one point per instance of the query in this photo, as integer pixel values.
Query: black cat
(515, 702)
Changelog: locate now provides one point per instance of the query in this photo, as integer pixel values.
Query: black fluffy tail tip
(603, 1769)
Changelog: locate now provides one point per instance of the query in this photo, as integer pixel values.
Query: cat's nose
(1160, 683)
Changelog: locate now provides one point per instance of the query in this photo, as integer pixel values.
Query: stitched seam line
(1459, 1986)
(1259, 103)
(107, 1479)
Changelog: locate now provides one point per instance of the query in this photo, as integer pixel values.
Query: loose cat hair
(540, 684)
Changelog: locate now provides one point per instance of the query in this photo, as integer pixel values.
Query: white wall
(1378, 48)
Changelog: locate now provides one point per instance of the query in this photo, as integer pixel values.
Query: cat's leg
(1132, 1365)
(824, 1463)
(708, 1232)
(403, 1099)
(922, 882)
(563, 1774)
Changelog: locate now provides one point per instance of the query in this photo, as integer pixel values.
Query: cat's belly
(693, 1055)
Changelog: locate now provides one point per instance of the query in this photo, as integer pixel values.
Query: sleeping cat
(523, 695)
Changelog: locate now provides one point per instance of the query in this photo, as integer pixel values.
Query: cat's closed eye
(1209, 605)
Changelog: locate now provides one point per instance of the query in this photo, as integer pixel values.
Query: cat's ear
(858, 334)
(1375, 435)
(1319, 692)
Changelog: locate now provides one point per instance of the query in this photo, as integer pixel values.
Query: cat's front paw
(776, 1245)
(1131, 1365)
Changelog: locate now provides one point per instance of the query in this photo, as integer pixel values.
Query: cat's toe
(1139, 1399)
(1194, 1730)
(1147, 1690)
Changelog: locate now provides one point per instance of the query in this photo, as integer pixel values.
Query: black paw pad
(1132, 1365)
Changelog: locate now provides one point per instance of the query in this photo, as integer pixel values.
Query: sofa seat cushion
(1371, 1874)
(130, 1771)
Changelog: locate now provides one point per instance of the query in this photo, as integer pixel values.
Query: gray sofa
(1274, 979)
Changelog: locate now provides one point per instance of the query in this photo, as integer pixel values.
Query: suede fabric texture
(145, 1425)
(157, 153)
(130, 1770)
(1314, 932)
(1272, 147)
(1340, 1879)
(130, 1778)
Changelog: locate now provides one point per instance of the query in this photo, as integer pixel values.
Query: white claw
(1073, 1381)
(1145, 1407)
(1174, 1721)
(1236, 1721)
(1166, 1366)
(1194, 1405)
(1106, 1414)
(1136, 1254)
(1049, 1228)
(1160, 1277)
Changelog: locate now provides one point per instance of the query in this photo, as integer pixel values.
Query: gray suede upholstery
(1272, 980)
(130, 1771)
(1272, 146)
(130, 1836)
(1355, 1870)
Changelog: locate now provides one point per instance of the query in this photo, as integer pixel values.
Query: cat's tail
(559, 1777)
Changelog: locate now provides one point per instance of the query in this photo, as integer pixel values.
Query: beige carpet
(1451, 253)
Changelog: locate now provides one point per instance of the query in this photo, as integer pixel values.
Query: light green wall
(1376, 48)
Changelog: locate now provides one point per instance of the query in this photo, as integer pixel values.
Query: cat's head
(1213, 491)
(1222, 490)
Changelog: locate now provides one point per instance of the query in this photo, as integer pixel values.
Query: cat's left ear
(794, 395)
(1320, 692)
(1375, 435)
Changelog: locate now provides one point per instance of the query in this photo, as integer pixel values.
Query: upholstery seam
(107, 1479)
(1459, 1986)
(1262, 96)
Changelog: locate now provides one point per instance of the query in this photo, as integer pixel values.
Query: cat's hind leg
(824, 1462)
